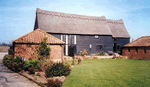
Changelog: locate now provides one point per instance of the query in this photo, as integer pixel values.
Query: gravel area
(11, 79)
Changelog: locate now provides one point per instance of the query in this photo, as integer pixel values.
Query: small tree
(43, 52)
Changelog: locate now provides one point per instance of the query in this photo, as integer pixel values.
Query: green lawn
(110, 73)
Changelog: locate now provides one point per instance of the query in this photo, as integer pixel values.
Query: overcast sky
(17, 17)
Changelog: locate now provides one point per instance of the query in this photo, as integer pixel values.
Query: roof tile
(36, 36)
(142, 41)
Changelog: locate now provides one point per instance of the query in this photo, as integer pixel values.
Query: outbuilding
(26, 45)
(138, 49)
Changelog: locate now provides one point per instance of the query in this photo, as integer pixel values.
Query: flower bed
(54, 73)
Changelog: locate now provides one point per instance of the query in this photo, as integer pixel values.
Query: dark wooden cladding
(57, 36)
(84, 41)
(122, 41)
(106, 41)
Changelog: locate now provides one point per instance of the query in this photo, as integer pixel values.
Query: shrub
(15, 64)
(58, 69)
(18, 59)
(43, 51)
(84, 52)
(79, 60)
(48, 63)
(54, 83)
(8, 57)
(102, 53)
(32, 70)
(7, 60)
(32, 62)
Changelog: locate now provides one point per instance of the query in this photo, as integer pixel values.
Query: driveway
(11, 79)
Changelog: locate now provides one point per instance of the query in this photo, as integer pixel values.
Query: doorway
(115, 47)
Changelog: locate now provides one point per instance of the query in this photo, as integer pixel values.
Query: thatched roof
(37, 36)
(142, 41)
(118, 28)
(56, 22)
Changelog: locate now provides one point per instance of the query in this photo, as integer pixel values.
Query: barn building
(138, 49)
(92, 33)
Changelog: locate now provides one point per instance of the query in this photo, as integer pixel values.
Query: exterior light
(90, 45)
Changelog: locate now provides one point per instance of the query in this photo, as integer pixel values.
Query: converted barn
(25, 46)
(138, 49)
(92, 33)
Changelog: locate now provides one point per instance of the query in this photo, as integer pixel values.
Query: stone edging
(61, 79)
(31, 79)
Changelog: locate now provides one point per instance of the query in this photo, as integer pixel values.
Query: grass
(110, 73)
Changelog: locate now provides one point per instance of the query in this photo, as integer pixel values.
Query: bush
(32, 70)
(48, 63)
(102, 53)
(32, 62)
(7, 60)
(84, 52)
(58, 69)
(14, 64)
(17, 64)
(18, 59)
(79, 60)
(54, 83)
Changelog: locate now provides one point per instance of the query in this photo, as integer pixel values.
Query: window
(129, 50)
(145, 50)
(96, 36)
(99, 47)
(137, 50)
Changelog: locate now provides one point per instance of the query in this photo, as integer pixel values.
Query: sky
(17, 17)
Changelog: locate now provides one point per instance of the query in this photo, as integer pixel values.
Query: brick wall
(29, 51)
(134, 55)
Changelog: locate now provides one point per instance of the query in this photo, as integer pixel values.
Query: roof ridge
(27, 37)
(68, 15)
(115, 21)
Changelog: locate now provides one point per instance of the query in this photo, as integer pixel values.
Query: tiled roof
(142, 41)
(57, 22)
(36, 36)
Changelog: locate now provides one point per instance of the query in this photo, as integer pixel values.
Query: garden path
(11, 79)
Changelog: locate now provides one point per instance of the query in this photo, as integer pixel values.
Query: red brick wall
(29, 51)
(134, 55)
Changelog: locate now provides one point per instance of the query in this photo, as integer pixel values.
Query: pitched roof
(36, 36)
(142, 41)
(57, 22)
(118, 28)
